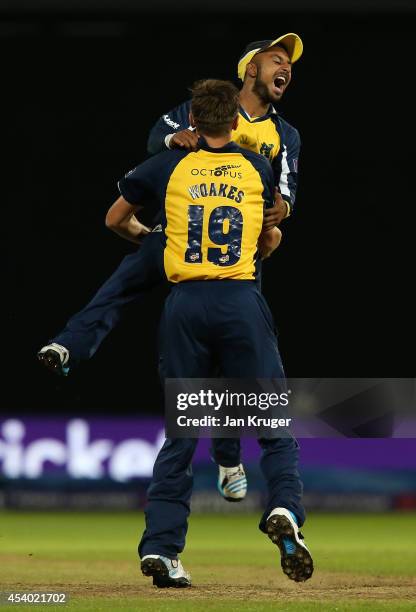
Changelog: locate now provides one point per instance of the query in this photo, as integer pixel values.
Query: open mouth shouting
(279, 83)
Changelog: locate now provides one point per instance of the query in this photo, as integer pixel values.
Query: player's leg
(184, 339)
(87, 329)
(284, 512)
(184, 353)
(226, 452)
(232, 481)
(249, 349)
(167, 510)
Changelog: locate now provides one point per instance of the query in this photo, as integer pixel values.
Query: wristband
(168, 138)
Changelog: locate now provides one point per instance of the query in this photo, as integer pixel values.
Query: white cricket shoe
(55, 358)
(232, 483)
(166, 572)
(296, 559)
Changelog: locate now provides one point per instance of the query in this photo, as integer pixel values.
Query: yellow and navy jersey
(269, 135)
(258, 135)
(212, 205)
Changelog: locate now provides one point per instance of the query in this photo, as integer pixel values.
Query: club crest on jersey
(246, 142)
(266, 149)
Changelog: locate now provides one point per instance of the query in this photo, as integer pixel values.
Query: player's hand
(143, 230)
(274, 216)
(185, 139)
(269, 241)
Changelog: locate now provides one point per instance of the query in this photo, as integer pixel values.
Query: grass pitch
(361, 561)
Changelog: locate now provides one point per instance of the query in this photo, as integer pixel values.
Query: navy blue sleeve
(140, 181)
(174, 121)
(149, 178)
(285, 166)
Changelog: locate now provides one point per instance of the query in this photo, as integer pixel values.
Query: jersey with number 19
(212, 205)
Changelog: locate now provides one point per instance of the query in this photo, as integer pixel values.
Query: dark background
(80, 93)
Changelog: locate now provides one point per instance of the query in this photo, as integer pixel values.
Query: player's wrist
(168, 138)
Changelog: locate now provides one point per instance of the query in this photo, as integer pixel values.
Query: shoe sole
(50, 360)
(297, 566)
(230, 499)
(158, 570)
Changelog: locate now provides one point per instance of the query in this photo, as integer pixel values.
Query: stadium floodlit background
(82, 85)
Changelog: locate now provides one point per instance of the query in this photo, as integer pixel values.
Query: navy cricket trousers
(231, 320)
(137, 274)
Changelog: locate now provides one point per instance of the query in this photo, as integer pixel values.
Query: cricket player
(212, 231)
(265, 69)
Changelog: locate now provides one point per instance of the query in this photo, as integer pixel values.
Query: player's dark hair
(214, 106)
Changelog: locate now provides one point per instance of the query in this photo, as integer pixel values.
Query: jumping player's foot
(296, 560)
(232, 483)
(55, 358)
(166, 572)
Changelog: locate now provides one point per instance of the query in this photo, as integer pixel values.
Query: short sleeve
(141, 181)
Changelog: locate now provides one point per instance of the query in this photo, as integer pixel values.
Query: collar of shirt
(270, 113)
(230, 147)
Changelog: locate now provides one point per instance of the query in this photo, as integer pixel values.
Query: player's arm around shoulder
(173, 131)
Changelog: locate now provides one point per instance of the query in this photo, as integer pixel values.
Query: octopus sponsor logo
(226, 170)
